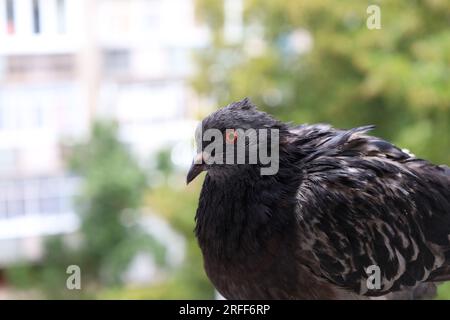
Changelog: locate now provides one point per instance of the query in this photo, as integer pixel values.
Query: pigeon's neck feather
(240, 216)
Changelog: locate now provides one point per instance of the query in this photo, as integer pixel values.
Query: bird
(341, 201)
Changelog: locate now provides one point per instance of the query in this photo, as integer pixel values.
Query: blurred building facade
(62, 64)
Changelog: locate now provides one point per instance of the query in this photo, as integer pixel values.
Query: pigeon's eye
(231, 136)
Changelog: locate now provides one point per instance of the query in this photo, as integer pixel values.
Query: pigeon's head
(232, 139)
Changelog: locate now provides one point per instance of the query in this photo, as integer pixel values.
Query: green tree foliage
(397, 77)
(189, 280)
(111, 194)
(112, 189)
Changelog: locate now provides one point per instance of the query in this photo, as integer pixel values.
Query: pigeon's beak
(196, 168)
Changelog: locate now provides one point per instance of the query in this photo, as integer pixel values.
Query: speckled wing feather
(363, 202)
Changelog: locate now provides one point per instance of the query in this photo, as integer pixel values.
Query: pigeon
(346, 216)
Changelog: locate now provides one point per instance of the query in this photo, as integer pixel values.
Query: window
(38, 116)
(10, 19)
(8, 160)
(36, 17)
(3, 209)
(116, 61)
(39, 196)
(14, 196)
(61, 15)
(56, 64)
(1, 115)
(49, 206)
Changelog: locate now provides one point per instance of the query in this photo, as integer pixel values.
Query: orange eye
(231, 136)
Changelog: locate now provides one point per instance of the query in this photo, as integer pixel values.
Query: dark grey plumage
(341, 201)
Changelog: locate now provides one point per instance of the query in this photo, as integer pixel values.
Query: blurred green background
(302, 61)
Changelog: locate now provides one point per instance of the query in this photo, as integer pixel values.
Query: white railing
(37, 206)
(44, 26)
